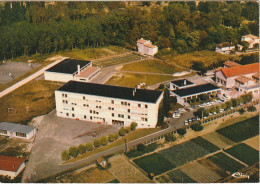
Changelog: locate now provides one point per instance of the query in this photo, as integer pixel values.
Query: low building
(71, 69)
(251, 40)
(108, 104)
(179, 84)
(17, 130)
(186, 94)
(227, 76)
(225, 47)
(229, 64)
(146, 47)
(254, 89)
(11, 166)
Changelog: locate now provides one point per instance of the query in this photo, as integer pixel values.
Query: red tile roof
(243, 79)
(240, 70)
(256, 75)
(149, 45)
(251, 36)
(231, 64)
(10, 163)
(141, 41)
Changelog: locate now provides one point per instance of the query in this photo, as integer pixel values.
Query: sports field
(242, 130)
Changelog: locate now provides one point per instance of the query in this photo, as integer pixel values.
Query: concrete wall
(60, 77)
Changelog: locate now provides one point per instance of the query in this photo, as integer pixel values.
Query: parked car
(210, 114)
(214, 113)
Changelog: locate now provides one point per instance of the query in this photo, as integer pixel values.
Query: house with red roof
(146, 47)
(11, 166)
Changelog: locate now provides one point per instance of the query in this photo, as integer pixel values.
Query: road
(28, 79)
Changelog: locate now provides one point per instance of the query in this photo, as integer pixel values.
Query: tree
(82, 149)
(228, 104)
(161, 86)
(111, 138)
(166, 101)
(241, 111)
(217, 108)
(181, 131)
(73, 151)
(133, 126)
(170, 137)
(196, 127)
(121, 131)
(65, 155)
(97, 143)
(212, 109)
(89, 146)
(160, 116)
(223, 106)
(251, 108)
(204, 97)
(128, 129)
(245, 45)
(198, 113)
(140, 147)
(103, 140)
(116, 136)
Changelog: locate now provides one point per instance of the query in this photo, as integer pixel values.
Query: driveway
(56, 135)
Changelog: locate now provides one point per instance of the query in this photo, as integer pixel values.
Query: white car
(214, 113)
(210, 114)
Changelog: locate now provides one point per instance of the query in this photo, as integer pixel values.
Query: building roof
(141, 41)
(240, 70)
(149, 45)
(142, 95)
(225, 44)
(68, 66)
(251, 36)
(231, 64)
(88, 71)
(14, 127)
(256, 75)
(242, 79)
(10, 163)
(180, 83)
(204, 88)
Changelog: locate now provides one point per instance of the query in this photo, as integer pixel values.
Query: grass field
(151, 66)
(225, 162)
(132, 80)
(244, 153)
(177, 176)
(30, 100)
(241, 130)
(154, 163)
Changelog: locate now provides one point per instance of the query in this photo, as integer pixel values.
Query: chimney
(78, 69)
(134, 92)
(184, 82)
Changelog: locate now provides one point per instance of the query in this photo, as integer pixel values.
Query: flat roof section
(13, 127)
(195, 90)
(124, 93)
(88, 72)
(181, 82)
(68, 66)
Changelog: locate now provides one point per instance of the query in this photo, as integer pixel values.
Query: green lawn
(225, 162)
(244, 153)
(154, 163)
(178, 176)
(151, 66)
(242, 130)
(205, 144)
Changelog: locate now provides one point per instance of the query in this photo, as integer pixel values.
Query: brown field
(218, 140)
(125, 172)
(253, 142)
(203, 171)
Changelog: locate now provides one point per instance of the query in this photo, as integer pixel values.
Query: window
(20, 134)
(122, 115)
(112, 102)
(139, 105)
(3, 131)
(73, 115)
(72, 108)
(84, 105)
(96, 106)
(146, 106)
(67, 114)
(129, 117)
(145, 119)
(85, 117)
(119, 115)
(128, 104)
(91, 117)
(128, 110)
(125, 103)
(122, 103)
(113, 114)
(100, 107)
(113, 109)
(84, 98)
(90, 111)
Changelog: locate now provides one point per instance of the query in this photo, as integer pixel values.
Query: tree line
(32, 27)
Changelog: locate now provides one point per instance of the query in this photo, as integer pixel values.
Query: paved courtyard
(56, 135)
(16, 69)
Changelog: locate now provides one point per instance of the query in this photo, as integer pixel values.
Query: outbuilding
(11, 166)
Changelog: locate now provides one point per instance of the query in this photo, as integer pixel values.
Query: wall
(60, 77)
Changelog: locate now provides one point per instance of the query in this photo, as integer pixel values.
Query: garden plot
(218, 140)
(203, 171)
(225, 162)
(163, 179)
(177, 176)
(253, 142)
(126, 172)
(244, 153)
(242, 130)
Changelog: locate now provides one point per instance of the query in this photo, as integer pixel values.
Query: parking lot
(11, 70)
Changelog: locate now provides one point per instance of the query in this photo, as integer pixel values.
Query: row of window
(16, 133)
(93, 112)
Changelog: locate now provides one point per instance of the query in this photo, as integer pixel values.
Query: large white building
(225, 47)
(11, 166)
(108, 104)
(146, 47)
(71, 69)
(250, 39)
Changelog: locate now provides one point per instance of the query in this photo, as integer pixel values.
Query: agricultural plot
(163, 179)
(244, 153)
(242, 130)
(218, 140)
(154, 163)
(225, 162)
(177, 176)
(253, 142)
(203, 171)
(205, 144)
(118, 60)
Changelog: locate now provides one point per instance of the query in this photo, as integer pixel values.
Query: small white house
(146, 47)
(17, 130)
(11, 166)
(250, 39)
(225, 47)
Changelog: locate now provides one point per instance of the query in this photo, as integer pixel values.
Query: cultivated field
(244, 153)
(177, 176)
(253, 142)
(225, 162)
(126, 172)
(218, 140)
(242, 130)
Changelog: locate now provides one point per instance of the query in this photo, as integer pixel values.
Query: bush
(111, 138)
(121, 131)
(89, 146)
(103, 141)
(181, 131)
(96, 143)
(170, 137)
(141, 147)
(65, 155)
(196, 127)
(74, 151)
(82, 149)
(127, 130)
(217, 108)
(251, 108)
(161, 86)
(133, 126)
(241, 111)
(116, 136)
